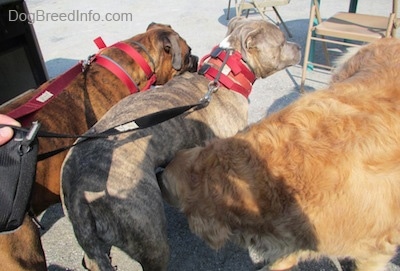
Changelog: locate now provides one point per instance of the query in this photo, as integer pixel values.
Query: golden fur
(320, 177)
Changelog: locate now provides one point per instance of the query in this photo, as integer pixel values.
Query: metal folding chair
(344, 28)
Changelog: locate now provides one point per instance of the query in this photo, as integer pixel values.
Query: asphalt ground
(203, 25)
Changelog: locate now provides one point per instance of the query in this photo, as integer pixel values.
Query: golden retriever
(320, 177)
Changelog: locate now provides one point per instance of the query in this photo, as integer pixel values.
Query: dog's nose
(298, 48)
(296, 52)
(194, 60)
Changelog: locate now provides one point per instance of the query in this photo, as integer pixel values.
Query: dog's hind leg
(155, 257)
(91, 264)
(84, 223)
(97, 253)
(150, 248)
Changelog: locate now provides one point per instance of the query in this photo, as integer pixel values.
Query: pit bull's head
(262, 44)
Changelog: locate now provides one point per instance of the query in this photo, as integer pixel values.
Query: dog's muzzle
(193, 63)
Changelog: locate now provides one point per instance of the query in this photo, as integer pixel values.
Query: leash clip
(213, 86)
(26, 142)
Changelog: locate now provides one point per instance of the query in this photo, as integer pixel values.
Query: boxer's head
(169, 51)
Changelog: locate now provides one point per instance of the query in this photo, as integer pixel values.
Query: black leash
(130, 126)
(139, 123)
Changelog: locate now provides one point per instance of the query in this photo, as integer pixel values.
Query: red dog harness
(118, 71)
(236, 74)
(61, 82)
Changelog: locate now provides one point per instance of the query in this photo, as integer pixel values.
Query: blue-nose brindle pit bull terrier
(109, 185)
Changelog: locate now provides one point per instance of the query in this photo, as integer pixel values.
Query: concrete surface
(203, 25)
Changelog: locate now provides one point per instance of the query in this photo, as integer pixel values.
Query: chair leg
(305, 63)
(259, 10)
(280, 19)
(229, 9)
(238, 8)
(307, 49)
(391, 30)
(325, 47)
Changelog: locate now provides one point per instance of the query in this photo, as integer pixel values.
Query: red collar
(236, 74)
(118, 71)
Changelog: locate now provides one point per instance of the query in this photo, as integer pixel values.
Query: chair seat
(261, 6)
(354, 26)
(270, 3)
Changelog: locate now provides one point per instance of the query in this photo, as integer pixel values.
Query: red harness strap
(237, 65)
(150, 75)
(56, 86)
(245, 90)
(118, 71)
(45, 96)
(238, 77)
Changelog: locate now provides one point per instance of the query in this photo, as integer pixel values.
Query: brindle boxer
(83, 102)
(90, 95)
(109, 185)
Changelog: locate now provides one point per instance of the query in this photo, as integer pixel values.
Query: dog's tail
(340, 61)
(339, 72)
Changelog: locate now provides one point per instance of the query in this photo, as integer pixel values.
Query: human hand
(6, 133)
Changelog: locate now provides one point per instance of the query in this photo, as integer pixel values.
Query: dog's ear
(251, 39)
(233, 23)
(204, 219)
(175, 180)
(255, 37)
(171, 46)
(153, 25)
(169, 186)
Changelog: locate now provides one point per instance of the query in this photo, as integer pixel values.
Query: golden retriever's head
(181, 187)
(174, 186)
(210, 186)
